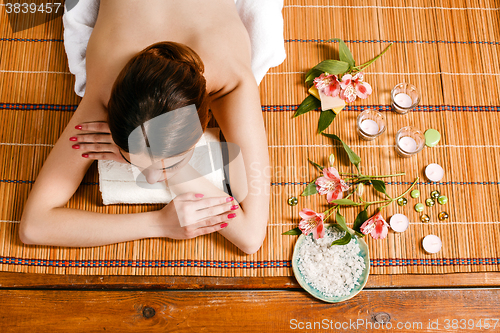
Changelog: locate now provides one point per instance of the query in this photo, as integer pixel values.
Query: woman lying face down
(157, 112)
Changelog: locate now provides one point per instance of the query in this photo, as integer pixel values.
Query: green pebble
(419, 207)
(402, 201)
(442, 200)
(435, 194)
(415, 194)
(432, 137)
(429, 202)
(293, 201)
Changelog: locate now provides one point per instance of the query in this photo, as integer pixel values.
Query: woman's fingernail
(199, 195)
(231, 216)
(75, 146)
(78, 126)
(73, 138)
(229, 199)
(223, 225)
(85, 155)
(235, 207)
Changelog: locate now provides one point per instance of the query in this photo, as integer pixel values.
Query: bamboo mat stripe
(14, 181)
(233, 264)
(290, 108)
(447, 48)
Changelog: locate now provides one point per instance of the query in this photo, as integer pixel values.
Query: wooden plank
(53, 281)
(244, 311)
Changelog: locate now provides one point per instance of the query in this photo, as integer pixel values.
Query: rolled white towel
(117, 181)
(262, 19)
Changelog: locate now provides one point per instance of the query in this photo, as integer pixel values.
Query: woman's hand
(97, 143)
(189, 216)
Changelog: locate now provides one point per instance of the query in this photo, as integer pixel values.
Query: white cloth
(262, 19)
(117, 181)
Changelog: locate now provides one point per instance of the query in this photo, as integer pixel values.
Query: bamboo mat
(449, 49)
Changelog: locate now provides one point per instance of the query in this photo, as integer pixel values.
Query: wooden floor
(404, 303)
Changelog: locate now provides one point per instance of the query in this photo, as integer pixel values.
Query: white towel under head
(262, 19)
(124, 183)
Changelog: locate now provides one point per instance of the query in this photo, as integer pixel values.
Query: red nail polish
(75, 146)
(78, 127)
(85, 155)
(223, 225)
(229, 199)
(231, 216)
(73, 138)
(199, 195)
(235, 207)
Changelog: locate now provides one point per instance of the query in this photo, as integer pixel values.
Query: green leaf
(355, 159)
(345, 202)
(379, 185)
(311, 75)
(360, 219)
(310, 189)
(334, 67)
(308, 104)
(344, 240)
(341, 221)
(316, 165)
(325, 119)
(344, 53)
(294, 231)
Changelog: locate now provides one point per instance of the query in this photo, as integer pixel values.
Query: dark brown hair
(161, 78)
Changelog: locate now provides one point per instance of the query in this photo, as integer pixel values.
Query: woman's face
(160, 170)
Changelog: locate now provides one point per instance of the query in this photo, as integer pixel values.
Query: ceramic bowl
(363, 253)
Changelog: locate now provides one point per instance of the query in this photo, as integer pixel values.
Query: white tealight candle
(403, 100)
(408, 144)
(399, 222)
(434, 172)
(369, 126)
(432, 243)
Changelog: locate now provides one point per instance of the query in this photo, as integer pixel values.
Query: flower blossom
(354, 86)
(331, 184)
(327, 84)
(312, 222)
(375, 226)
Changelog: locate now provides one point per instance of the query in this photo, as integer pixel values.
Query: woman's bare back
(211, 28)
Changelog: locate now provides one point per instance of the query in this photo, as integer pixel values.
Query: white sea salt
(333, 270)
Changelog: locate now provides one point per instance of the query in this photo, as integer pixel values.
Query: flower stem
(368, 63)
(389, 201)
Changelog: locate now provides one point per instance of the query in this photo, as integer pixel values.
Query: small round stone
(442, 200)
(429, 202)
(293, 201)
(425, 218)
(415, 194)
(442, 216)
(432, 137)
(419, 207)
(402, 201)
(435, 194)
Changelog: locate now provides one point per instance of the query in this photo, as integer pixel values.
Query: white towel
(262, 19)
(117, 181)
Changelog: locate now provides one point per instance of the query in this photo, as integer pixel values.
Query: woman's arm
(239, 116)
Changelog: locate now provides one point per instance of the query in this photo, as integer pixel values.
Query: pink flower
(327, 84)
(375, 226)
(331, 184)
(353, 87)
(312, 222)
